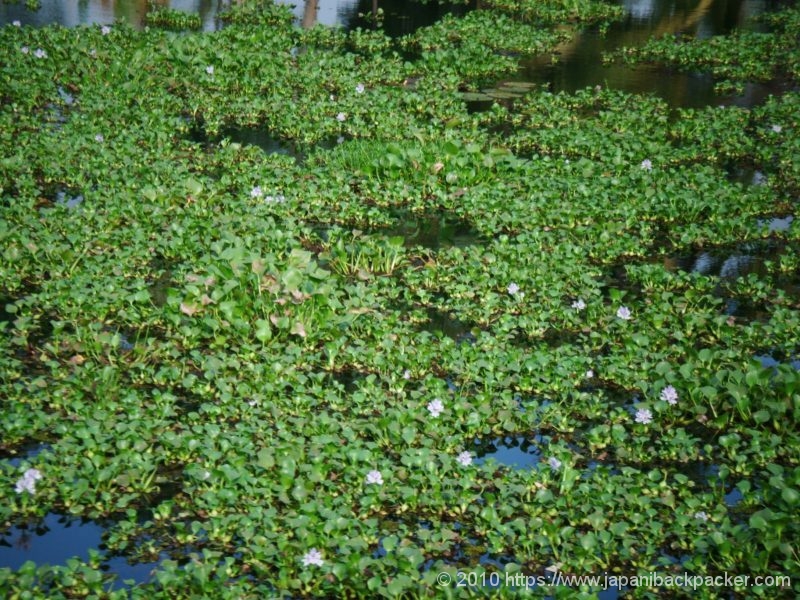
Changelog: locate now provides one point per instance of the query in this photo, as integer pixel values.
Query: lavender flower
(644, 416)
(554, 463)
(624, 313)
(312, 557)
(646, 165)
(341, 117)
(579, 304)
(24, 50)
(374, 478)
(701, 515)
(589, 374)
(465, 458)
(256, 192)
(360, 88)
(777, 128)
(105, 30)
(406, 374)
(669, 395)
(99, 138)
(27, 483)
(210, 69)
(39, 53)
(16, 23)
(435, 407)
(513, 288)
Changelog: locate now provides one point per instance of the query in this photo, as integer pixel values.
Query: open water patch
(777, 224)
(515, 452)
(726, 262)
(768, 361)
(57, 538)
(25, 452)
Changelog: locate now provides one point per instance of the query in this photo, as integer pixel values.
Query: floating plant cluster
(427, 340)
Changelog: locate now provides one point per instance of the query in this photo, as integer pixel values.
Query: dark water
(58, 538)
(580, 64)
(513, 452)
(433, 231)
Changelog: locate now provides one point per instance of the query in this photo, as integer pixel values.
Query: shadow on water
(448, 324)
(433, 231)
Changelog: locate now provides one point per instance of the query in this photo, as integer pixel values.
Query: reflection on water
(58, 538)
(53, 541)
(401, 17)
(580, 60)
(513, 452)
(71, 13)
(731, 262)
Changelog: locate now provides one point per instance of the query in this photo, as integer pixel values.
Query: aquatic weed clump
(283, 316)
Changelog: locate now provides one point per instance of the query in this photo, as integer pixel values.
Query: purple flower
(374, 478)
(777, 128)
(27, 483)
(513, 288)
(406, 374)
(360, 88)
(646, 165)
(256, 192)
(341, 117)
(435, 407)
(312, 557)
(39, 53)
(589, 374)
(210, 69)
(99, 138)
(669, 395)
(105, 30)
(644, 416)
(554, 463)
(579, 304)
(465, 458)
(624, 313)
(24, 50)
(701, 515)
(16, 23)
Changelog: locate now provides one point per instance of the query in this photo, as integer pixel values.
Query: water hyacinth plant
(272, 352)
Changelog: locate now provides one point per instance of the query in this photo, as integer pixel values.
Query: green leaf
(266, 458)
(761, 519)
(761, 416)
(263, 330)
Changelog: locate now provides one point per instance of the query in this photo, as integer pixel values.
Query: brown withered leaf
(188, 309)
